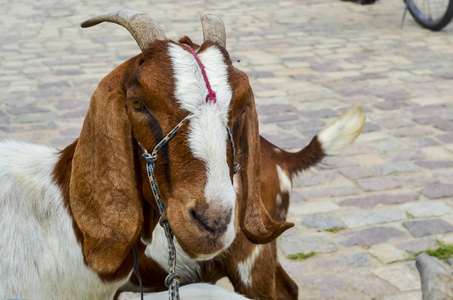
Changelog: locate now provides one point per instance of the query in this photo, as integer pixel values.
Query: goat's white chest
(40, 256)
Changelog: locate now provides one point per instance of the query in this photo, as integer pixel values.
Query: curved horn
(213, 28)
(143, 28)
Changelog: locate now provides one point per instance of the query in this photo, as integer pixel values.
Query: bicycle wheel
(431, 14)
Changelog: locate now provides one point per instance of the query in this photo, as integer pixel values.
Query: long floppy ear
(104, 197)
(255, 221)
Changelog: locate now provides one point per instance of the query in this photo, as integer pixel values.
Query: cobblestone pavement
(308, 61)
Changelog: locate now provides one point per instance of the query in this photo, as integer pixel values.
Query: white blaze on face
(208, 138)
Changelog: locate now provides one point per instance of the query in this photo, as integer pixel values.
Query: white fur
(285, 181)
(188, 270)
(343, 131)
(199, 291)
(208, 138)
(40, 257)
(245, 267)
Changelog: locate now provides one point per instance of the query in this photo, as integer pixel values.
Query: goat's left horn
(213, 28)
(143, 28)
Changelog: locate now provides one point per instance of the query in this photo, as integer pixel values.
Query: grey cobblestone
(427, 209)
(438, 190)
(372, 201)
(417, 245)
(342, 263)
(332, 191)
(322, 222)
(402, 277)
(377, 183)
(369, 284)
(446, 138)
(373, 217)
(391, 145)
(306, 244)
(329, 286)
(387, 253)
(427, 227)
(371, 236)
(396, 167)
(357, 172)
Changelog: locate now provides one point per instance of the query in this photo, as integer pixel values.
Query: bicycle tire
(427, 22)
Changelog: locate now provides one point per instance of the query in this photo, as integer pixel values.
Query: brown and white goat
(253, 269)
(69, 220)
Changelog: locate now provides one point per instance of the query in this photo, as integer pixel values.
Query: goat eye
(137, 105)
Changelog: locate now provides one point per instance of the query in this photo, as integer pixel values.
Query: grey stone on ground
(371, 201)
(426, 209)
(447, 138)
(328, 285)
(341, 263)
(356, 172)
(436, 278)
(377, 183)
(307, 244)
(370, 217)
(371, 236)
(401, 276)
(390, 145)
(421, 228)
(369, 284)
(417, 245)
(321, 222)
(435, 164)
(438, 190)
(397, 167)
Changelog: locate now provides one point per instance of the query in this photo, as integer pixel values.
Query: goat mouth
(202, 233)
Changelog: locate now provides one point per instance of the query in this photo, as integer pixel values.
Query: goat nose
(212, 220)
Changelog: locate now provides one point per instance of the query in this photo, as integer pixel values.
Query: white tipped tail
(343, 131)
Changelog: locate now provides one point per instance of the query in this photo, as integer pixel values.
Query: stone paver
(307, 61)
(427, 209)
(306, 244)
(382, 199)
(428, 227)
(438, 190)
(371, 236)
(322, 222)
(402, 277)
(387, 253)
(372, 217)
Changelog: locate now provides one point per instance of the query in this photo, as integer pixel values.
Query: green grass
(443, 252)
(300, 256)
(333, 229)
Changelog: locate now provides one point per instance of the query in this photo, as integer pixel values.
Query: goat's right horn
(143, 28)
(213, 28)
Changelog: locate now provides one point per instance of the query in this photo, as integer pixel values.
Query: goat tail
(333, 138)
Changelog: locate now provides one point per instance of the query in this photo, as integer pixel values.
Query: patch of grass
(443, 252)
(300, 256)
(333, 229)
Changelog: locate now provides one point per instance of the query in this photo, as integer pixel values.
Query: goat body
(40, 253)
